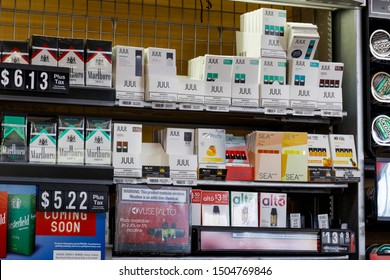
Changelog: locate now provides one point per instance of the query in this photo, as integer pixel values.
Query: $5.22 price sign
(72, 201)
(34, 78)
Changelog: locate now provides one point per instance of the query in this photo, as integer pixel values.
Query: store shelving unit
(340, 24)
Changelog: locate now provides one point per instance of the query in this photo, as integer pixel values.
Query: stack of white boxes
(161, 81)
(216, 72)
(263, 35)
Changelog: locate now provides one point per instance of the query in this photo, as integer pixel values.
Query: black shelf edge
(78, 95)
(17, 172)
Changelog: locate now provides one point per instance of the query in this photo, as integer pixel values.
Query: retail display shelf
(78, 95)
(55, 173)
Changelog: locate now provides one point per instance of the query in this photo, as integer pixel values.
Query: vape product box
(294, 157)
(71, 55)
(14, 138)
(43, 141)
(210, 146)
(319, 158)
(258, 45)
(344, 157)
(98, 141)
(271, 21)
(196, 207)
(152, 220)
(215, 208)
(15, 52)
(330, 95)
(244, 209)
(178, 141)
(155, 162)
(98, 65)
(128, 72)
(273, 71)
(44, 50)
(265, 149)
(245, 82)
(302, 41)
(161, 60)
(303, 72)
(127, 150)
(3, 223)
(237, 159)
(70, 140)
(21, 223)
(273, 208)
(190, 90)
(217, 73)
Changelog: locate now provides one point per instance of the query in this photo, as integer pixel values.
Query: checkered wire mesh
(192, 27)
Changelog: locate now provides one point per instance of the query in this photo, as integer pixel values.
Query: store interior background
(193, 28)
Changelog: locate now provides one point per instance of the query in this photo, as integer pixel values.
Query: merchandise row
(180, 153)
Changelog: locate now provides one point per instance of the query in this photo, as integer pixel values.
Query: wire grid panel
(193, 28)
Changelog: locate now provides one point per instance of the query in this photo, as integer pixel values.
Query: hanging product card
(152, 220)
(71, 55)
(244, 208)
(44, 50)
(215, 208)
(34, 78)
(43, 141)
(15, 52)
(98, 141)
(98, 67)
(70, 140)
(3, 223)
(14, 139)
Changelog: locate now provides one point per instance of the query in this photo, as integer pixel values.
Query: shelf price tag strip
(34, 78)
(71, 200)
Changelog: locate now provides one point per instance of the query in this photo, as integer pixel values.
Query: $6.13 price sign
(34, 78)
(70, 200)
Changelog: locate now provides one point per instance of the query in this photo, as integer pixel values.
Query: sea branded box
(273, 209)
(14, 139)
(70, 140)
(98, 141)
(294, 157)
(244, 209)
(215, 208)
(43, 141)
(152, 220)
(71, 55)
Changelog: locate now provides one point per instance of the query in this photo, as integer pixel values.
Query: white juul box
(245, 81)
(128, 72)
(70, 140)
(218, 77)
(178, 141)
(127, 150)
(244, 209)
(190, 90)
(273, 208)
(330, 95)
(98, 141)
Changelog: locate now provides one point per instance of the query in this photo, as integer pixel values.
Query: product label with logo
(98, 141)
(71, 55)
(273, 207)
(71, 140)
(44, 50)
(215, 208)
(244, 209)
(211, 145)
(98, 66)
(43, 142)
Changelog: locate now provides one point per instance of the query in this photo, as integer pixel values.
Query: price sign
(336, 241)
(34, 78)
(72, 201)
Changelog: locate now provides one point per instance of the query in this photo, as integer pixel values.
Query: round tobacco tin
(380, 44)
(380, 130)
(380, 86)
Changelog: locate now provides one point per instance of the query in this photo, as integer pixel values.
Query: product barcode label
(131, 103)
(160, 105)
(160, 181)
(325, 113)
(184, 182)
(217, 108)
(303, 113)
(275, 111)
(133, 181)
(191, 107)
